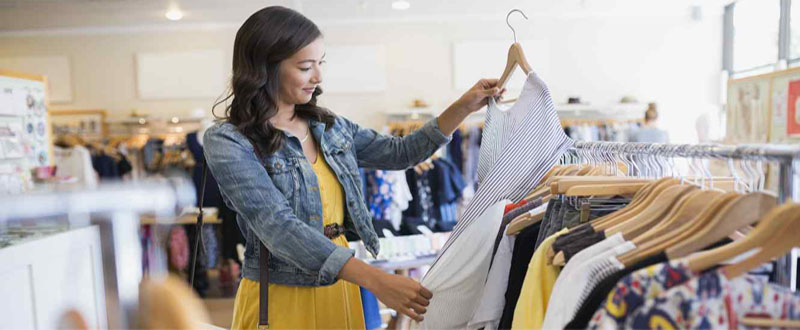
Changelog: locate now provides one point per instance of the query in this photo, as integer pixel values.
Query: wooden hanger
(648, 201)
(605, 189)
(758, 322)
(170, 303)
(565, 183)
(638, 198)
(692, 205)
(742, 211)
(767, 232)
(660, 243)
(780, 243)
(651, 215)
(524, 221)
(516, 57)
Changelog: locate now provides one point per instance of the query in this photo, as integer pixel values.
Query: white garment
(460, 276)
(533, 141)
(401, 196)
(488, 313)
(75, 162)
(525, 141)
(564, 304)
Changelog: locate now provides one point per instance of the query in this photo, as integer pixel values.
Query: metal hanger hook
(509, 24)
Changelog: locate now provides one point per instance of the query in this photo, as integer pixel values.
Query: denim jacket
(276, 197)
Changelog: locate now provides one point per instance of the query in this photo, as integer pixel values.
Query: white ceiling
(27, 15)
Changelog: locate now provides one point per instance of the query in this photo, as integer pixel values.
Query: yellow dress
(337, 306)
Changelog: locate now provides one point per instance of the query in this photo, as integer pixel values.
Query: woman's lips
(309, 90)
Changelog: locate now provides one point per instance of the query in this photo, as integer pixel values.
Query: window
(794, 32)
(756, 25)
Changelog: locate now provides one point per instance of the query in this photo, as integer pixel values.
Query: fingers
(425, 293)
(419, 309)
(412, 314)
(494, 91)
(424, 302)
(488, 82)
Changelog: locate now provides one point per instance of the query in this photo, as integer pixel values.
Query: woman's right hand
(402, 294)
(397, 292)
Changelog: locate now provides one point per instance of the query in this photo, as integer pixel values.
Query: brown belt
(331, 231)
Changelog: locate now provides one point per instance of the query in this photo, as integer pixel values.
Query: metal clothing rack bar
(787, 158)
(115, 209)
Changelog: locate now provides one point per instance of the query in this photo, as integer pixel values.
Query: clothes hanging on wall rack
(642, 271)
(600, 130)
(75, 162)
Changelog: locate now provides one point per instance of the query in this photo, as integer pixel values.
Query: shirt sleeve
(386, 152)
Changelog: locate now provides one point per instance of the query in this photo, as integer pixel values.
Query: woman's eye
(305, 69)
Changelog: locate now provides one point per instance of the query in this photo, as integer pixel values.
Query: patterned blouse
(711, 301)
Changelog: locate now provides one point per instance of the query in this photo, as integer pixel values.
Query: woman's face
(301, 73)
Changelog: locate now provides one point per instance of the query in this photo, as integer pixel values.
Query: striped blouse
(519, 145)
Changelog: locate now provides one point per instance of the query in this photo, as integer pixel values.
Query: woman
(290, 171)
(649, 133)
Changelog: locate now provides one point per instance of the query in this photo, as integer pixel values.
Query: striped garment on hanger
(519, 145)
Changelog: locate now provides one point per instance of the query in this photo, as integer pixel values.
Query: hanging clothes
(713, 301)
(75, 162)
(448, 286)
(519, 146)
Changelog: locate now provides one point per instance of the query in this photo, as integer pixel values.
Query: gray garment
(549, 218)
(649, 135)
(522, 209)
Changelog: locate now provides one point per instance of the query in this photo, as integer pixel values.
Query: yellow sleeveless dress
(337, 306)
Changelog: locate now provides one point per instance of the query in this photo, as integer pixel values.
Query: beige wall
(671, 60)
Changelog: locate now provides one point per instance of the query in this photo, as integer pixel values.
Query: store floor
(220, 310)
(219, 302)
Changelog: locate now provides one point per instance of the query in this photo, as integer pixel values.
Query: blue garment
(421, 205)
(473, 150)
(212, 196)
(379, 194)
(454, 151)
(106, 167)
(372, 313)
(451, 183)
(150, 149)
(447, 188)
(276, 195)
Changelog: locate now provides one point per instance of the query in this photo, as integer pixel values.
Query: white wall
(670, 60)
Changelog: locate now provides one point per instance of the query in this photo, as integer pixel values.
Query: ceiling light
(400, 5)
(174, 14)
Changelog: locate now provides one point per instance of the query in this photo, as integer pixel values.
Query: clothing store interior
(505, 164)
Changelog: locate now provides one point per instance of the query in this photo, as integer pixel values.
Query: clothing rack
(787, 158)
(115, 209)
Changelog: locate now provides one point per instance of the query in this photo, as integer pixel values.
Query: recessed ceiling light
(174, 14)
(400, 5)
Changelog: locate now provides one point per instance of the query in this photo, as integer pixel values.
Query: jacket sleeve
(386, 152)
(252, 194)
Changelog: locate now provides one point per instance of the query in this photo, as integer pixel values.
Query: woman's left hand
(478, 96)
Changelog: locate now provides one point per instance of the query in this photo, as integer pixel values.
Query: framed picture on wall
(90, 125)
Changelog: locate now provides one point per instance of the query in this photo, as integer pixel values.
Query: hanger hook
(509, 24)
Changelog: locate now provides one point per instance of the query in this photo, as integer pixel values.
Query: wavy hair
(268, 37)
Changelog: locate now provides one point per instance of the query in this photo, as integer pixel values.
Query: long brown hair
(268, 37)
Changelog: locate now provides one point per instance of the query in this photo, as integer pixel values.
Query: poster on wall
(24, 135)
(748, 111)
(785, 107)
(793, 113)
